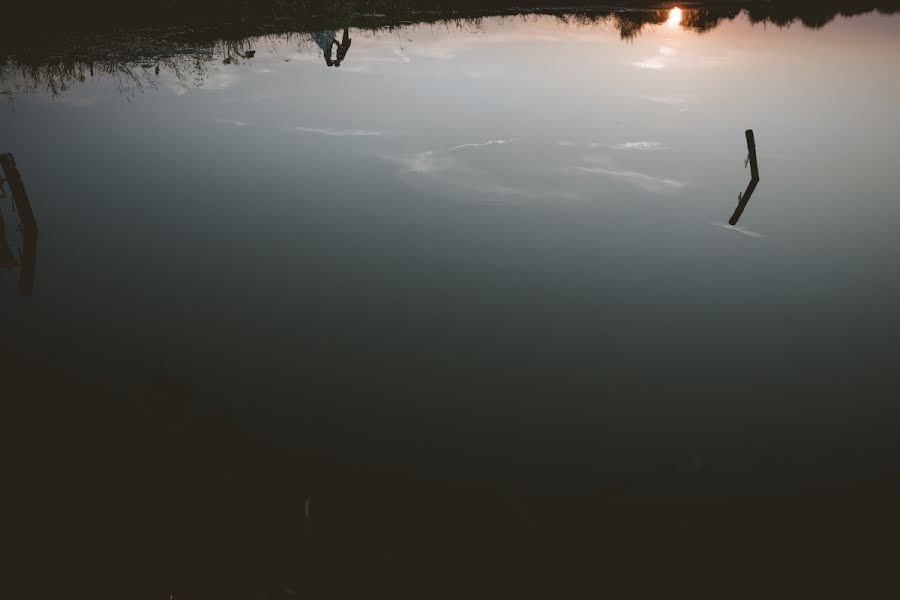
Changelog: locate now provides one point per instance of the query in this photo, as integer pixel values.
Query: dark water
(499, 252)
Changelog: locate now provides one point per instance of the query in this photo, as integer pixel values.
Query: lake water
(496, 250)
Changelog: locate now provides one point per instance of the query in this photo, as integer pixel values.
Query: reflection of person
(325, 40)
(343, 46)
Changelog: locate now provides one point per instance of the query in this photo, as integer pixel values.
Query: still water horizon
(501, 251)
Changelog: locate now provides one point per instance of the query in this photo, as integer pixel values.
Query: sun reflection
(674, 19)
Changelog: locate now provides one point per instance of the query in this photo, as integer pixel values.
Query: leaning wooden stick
(744, 198)
(29, 224)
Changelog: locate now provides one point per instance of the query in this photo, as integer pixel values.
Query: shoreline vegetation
(96, 15)
(184, 36)
(231, 19)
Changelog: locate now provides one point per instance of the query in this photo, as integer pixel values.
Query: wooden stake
(29, 224)
(7, 260)
(754, 179)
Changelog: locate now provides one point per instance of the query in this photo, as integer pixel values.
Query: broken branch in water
(744, 198)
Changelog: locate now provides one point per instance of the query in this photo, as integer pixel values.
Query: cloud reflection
(642, 180)
(654, 63)
(348, 132)
(478, 145)
(232, 122)
(465, 174)
(639, 146)
(399, 57)
(668, 98)
(432, 161)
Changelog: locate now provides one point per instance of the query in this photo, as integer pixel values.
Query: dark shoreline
(39, 56)
(36, 22)
(133, 491)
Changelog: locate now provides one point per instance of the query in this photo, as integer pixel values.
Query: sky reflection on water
(506, 245)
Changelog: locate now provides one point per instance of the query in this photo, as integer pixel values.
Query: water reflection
(27, 226)
(327, 40)
(39, 63)
(491, 262)
(674, 19)
(343, 47)
(231, 52)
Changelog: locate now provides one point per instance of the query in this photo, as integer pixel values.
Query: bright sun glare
(674, 17)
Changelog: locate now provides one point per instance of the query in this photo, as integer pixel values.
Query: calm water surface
(499, 251)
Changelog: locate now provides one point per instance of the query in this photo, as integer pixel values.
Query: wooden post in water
(744, 198)
(7, 260)
(29, 224)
